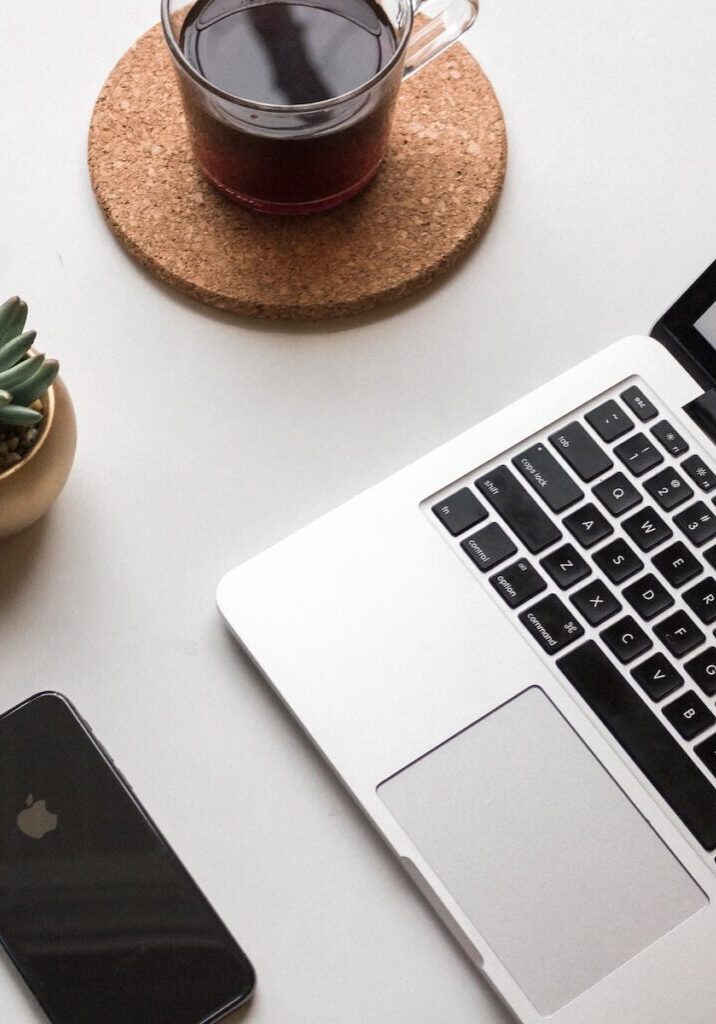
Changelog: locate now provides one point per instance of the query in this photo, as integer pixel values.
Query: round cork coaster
(431, 199)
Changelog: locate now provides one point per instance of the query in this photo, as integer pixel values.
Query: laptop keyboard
(601, 538)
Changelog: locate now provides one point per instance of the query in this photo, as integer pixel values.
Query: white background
(204, 439)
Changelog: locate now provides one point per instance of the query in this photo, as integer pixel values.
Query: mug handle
(447, 22)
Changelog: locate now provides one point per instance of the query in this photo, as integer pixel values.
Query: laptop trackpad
(541, 849)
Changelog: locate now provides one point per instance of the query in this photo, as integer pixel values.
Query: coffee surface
(287, 53)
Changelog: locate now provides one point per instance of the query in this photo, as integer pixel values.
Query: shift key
(550, 480)
(518, 508)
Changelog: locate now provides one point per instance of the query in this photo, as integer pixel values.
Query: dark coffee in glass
(289, 102)
(290, 54)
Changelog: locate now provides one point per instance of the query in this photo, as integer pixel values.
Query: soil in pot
(17, 442)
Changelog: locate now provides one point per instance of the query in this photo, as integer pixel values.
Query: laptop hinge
(703, 411)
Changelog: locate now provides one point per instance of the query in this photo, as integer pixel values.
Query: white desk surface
(203, 439)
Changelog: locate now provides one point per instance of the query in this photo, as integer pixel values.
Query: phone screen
(688, 328)
(706, 324)
(96, 910)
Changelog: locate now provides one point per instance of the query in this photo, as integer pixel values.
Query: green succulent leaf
(19, 416)
(21, 372)
(5, 398)
(36, 385)
(13, 315)
(15, 349)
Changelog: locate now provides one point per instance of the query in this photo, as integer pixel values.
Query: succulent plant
(23, 377)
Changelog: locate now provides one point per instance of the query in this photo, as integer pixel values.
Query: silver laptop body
(534, 739)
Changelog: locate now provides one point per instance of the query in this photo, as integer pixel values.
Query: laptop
(506, 652)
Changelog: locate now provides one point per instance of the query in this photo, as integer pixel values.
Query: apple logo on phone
(35, 820)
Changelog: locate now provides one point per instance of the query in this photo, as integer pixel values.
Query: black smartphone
(96, 910)
(688, 328)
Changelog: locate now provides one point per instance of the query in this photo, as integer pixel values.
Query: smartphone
(96, 910)
(688, 328)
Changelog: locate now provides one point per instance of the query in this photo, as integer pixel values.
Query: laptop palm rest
(541, 849)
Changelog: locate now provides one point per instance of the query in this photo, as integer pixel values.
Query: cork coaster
(432, 198)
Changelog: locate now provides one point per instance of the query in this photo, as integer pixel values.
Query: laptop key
(552, 624)
(517, 583)
(617, 494)
(647, 529)
(566, 566)
(668, 489)
(697, 470)
(648, 597)
(677, 564)
(701, 599)
(609, 420)
(588, 525)
(671, 440)
(581, 451)
(706, 751)
(645, 739)
(679, 634)
(617, 560)
(657, 676)
(596, 602)
(626, 639)
(702, 670)
(639, 404)
(518, 508)
(689, 715)
(638, 454)
(549, 479)
(698, 522)
(489, 546)
(460, 511)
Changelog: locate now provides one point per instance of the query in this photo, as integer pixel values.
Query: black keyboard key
(609, 420)
(702, 670)
(596, 602)
(617, 560)
(489, 546)
(698, 522)
(461, 511)
(671, 440)
(710, 556)
(581, 451)
(668, 489)
(588, 525)
(702, 475)
(707, 752)
(639, 404)
(689, 715)
(657, 676)
(566, 566)
(518, 508)
(648, 597)
(701, 599)
(551, 624)
(517, 583)
(647, 529)
(638, 454)
(679, 634)
(677, 564)
(551, 481)
(644, 738)
(617, 494)
(626, 639)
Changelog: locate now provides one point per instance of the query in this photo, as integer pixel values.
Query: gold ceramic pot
(28, 488)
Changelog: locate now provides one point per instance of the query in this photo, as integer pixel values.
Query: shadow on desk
(20, 561)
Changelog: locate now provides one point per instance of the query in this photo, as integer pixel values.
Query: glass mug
(297, 158)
